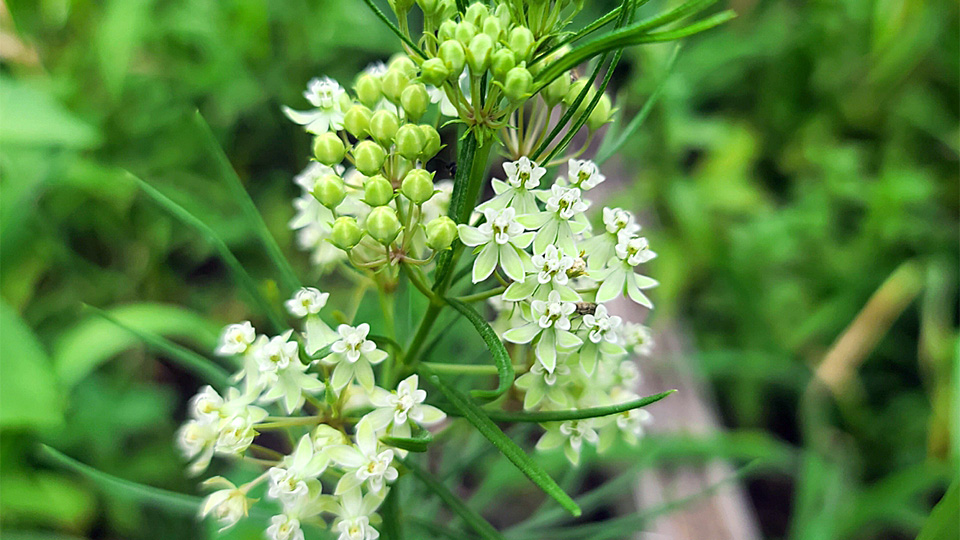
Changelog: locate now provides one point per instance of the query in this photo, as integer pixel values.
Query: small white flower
(539, 383)
(228, 505)
(404, 404)
(571, 434)
(551, 323)
(354, 356)
(290, 482)
(353, 511)
(563, 219)
(325, 94)
(284, 527)
(500, 240)
(306, 301)
(601, 248)
(638, 338)
(620, 277)
(236, 338)
(366, 463)
(601, 325)
(206, 405)
(584, 174)
(276, 355)
(196, 441)
(517, 192)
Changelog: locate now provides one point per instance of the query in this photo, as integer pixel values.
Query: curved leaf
(411, 444)
(505, 372)
(575, 414)
(469, 516)
(29, 393)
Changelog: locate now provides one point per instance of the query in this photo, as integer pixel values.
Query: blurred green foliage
(797, 158)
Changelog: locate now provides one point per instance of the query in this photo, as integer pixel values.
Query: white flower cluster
(292, 372)
(558, 275)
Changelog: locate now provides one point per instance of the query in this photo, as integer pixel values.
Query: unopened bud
(368, 157)
(491, 27)
(476, 13)
(434, 72)
(403, 63)
(393, 83)
(328, 148)
(574, 91)
(451, 52)
(521, 42)
(601, 114)
(517, 84)
(409, 141)
(414, 101)
(345, 234)
(368, 89)
(357, 121)
(441, 232)
(377, 190)
(417, 186)
(429, 7)
(554, 92)
(329, 190)
(383, 225)
(465, 32)
(447, 30)
(478, 53)
(383, 126)
(431, 142)
(502, 62)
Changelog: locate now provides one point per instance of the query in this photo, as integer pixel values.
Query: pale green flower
(500, 240)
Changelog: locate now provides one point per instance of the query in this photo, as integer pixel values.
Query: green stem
(466, 369)
(481, 295)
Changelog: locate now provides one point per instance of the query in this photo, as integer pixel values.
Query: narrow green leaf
(944, 520)
(607, 150)
(287, 276)
(476, 416)
(474, 520)
(574, 414)
(202, 366)
(393, 28)
(246, 282)
(411, 444)
(390, 512)
(160, 498)
(505, 372)
(585, 31)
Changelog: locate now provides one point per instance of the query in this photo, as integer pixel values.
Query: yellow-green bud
(368, 89)
(601, 114)
(383, 225)
(368, 157)
(431, 142)
(377, 190)
(414, 101)
(409, 141)
(383, 126)
(329, 190)
(451, 52)
(465, 32)
(404, 64)
(401, 7)
(478, 53)
(328, 148)
(447, 30)
(476, 13)
(345, 234)
(491, 27)
(417, 186)
(433, 72)
(574, 91)
(502, 62)
(441, 232)
(517, 84)
(357, 121)
(393, 83)
(521, 42)
(429, 7)
(554, 92)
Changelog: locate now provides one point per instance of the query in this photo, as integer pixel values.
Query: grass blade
(161, 498)
(239, 273)
(474, 520)
(505, 372)
(287, 276)
(533, 470)
(606, 151)
(574, 414)
(202, 366)
(393, 28)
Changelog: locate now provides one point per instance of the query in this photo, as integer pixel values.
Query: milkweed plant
(360, 405)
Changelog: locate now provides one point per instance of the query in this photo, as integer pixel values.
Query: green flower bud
(433, 72)
(417, 186)
(328, 148)
(346, 234)
(521, 42)
(451, 52)
(478, 53)
(329, 190)
(447, 30)
(491, 27)
(465, 32)
(431, 142)
(357, 121)
(414, 101)
(429, 7)
(409, 141)
(377, 190)
(517, 84)
(401, 7)
(441, 232)
(383, 225)
(368, 89)
(575, 88)
(403, 63)
(601, 114)
(476, 13)
(368, 157)
(393, 83)
(554, 92)
(502, 62)
(383, 126)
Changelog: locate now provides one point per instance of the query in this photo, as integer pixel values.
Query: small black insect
(439, 164)
(586, 308)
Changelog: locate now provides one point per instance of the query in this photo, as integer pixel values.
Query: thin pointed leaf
(505, 372)
(411, 444)
(606, 151)
(583, 32)
(239, 273)
(393, 28)
(287, 276)
(533, 470)
(574, 414)
(469, 516)
(202, 366)
(390, 512)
